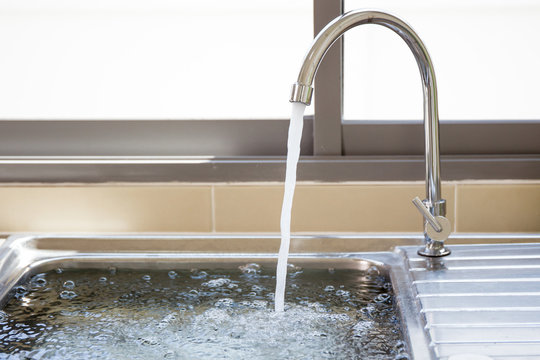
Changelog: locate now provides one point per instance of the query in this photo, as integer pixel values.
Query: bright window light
(485, 52)
(150, 59)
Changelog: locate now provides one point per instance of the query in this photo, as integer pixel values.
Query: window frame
(253, 150)
(332, 136)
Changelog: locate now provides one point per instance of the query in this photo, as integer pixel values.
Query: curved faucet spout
(302, 92)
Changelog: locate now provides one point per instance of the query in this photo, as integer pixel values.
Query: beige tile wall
(353, 207)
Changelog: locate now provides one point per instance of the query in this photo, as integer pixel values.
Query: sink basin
(22, 257)
(440, 302)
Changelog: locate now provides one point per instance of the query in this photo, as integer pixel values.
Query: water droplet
(3, 316)
(68, 295)
(331, 270)
(103, 279)
(59, 270)
(172, 274)
(112, 270)
(329, 288)
(69, 284)
(146, 277)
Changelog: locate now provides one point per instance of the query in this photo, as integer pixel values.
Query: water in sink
(202, 314)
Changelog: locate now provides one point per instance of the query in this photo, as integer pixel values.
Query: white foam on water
(293, 153)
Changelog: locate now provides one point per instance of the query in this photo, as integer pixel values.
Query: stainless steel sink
(447, 306)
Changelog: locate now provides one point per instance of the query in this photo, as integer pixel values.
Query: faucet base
(434, 249)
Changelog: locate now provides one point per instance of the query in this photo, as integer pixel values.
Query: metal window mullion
(327, 137)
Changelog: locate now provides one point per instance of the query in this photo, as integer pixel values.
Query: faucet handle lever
(427, 215)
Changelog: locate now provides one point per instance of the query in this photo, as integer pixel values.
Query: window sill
(200, 169)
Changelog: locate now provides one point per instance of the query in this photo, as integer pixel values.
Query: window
(394, 92)
(484, 52)
(117, 90)
(150, 59)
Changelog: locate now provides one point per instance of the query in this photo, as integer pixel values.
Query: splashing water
(293, 153)
(228, 314)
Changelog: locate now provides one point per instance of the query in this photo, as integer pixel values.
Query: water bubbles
(259, 304)
(146, 277)
(229, 312)
(147, 341)
(387, 286)
(224, 303)
(400, 346)
(257, 288)
(3, 316)
(67, 295)
(402, 357)
(198, 274)
(368, 310)
(294, 270)
(20, 292)
(216, 283)
(38, 281)
(382, 298)
(166, 321)
(59, 270)
(69, 284)
(251, 268)
(343, 293)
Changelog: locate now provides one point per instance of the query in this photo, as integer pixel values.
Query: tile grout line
(213, 207)
(455, 207)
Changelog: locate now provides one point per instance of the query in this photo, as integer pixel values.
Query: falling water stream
(293, 153)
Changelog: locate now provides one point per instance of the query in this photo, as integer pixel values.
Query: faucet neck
(302, 89)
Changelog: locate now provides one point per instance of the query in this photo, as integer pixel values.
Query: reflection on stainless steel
(435, 224)
(302, 92)
(484, 300)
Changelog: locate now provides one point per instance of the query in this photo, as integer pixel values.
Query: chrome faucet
(433, 208)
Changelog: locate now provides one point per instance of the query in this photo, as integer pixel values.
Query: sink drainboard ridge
(482, 300)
